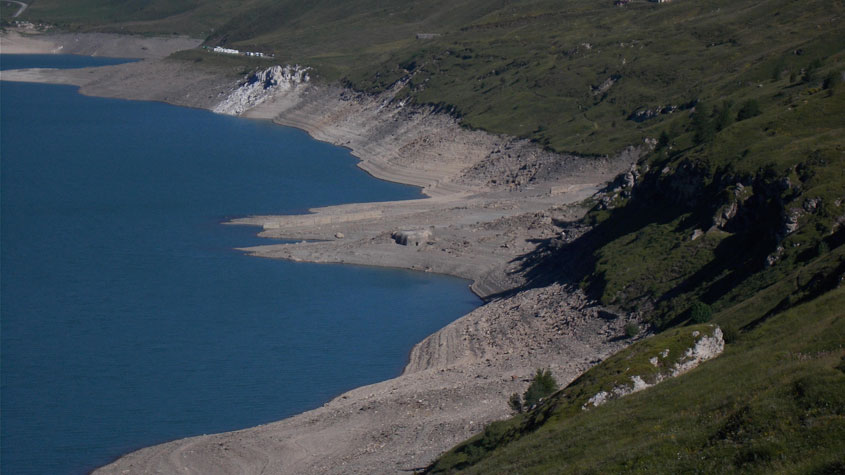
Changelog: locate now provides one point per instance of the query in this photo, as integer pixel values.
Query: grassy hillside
(331, 35)
(717, 219)
(773, 402)
(591, 77)
(192, 17)
(583, 76)
(738, 206)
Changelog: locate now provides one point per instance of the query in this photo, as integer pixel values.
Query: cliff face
(261, 86)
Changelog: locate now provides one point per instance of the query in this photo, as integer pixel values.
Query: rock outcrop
(261, 86)
(707, 345)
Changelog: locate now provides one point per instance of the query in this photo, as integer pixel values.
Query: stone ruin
(413, 237)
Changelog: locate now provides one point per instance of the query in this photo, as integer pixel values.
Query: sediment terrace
(492, 199)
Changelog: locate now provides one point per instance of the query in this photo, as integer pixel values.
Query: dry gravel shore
(492, 198)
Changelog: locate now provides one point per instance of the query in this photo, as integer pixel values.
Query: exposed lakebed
(127, 318)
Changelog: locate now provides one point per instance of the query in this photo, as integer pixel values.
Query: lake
(126, 317)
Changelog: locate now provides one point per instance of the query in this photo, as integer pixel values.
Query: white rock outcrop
(262, 86)
(706, 347)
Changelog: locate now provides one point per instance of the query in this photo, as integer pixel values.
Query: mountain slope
(588, 77)
(773, 402)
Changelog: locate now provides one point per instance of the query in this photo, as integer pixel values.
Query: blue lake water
(127, 317)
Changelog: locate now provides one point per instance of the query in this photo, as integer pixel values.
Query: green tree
(632, 329)
(541, 386)
(700, 312)
(703, 128)
(515, 402)
(663, 140)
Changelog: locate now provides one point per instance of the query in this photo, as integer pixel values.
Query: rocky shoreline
(492, 199)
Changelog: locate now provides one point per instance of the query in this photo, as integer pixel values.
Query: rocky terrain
(492, 196)
(492, 199)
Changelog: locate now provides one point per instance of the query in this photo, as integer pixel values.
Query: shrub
(515, 402)
(703, 127)
(543, 384)
(663, 141)
(700, 312)
(822, 248)
(632, 330)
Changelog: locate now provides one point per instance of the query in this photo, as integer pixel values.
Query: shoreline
(479, 219)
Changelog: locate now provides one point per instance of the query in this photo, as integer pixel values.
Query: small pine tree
(700, 312)
(541, 386)
(515, 402)
(822, 248)
(663, 140)
(702, 126)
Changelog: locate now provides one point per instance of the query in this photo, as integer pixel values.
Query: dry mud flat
(492, 198)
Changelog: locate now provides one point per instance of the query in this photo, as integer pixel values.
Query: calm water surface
(127, 318)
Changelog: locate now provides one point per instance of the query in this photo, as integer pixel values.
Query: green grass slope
(197, 18)
(575, 75)
(589, 77)
(740, 207)
(774, 401)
